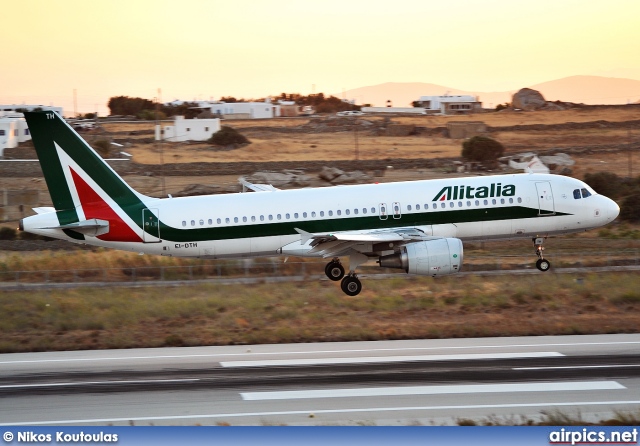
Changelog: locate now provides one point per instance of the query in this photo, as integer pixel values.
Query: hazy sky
(201, 49)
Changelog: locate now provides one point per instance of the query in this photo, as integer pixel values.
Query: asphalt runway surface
(352, 383)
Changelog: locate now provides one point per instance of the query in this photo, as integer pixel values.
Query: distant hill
(579, 89)
(590, 90)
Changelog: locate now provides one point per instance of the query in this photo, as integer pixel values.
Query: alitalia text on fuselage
(462, 191)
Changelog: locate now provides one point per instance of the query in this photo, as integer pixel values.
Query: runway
(382, 383)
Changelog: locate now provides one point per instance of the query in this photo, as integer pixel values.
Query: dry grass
(316, 311)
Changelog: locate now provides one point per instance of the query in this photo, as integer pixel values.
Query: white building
(450, 105)
(245, 110)
(236, 110)
(188, 129)
(13, 130)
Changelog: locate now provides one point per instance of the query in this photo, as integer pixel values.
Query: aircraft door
(545, 198)
(383, 211)
(151, 226)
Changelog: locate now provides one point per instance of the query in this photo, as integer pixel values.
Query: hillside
(579, 89)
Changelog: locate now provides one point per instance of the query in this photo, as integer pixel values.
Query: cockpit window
(585, 193)
(576, 194)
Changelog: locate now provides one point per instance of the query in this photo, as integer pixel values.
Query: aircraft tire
(351, 286)
(334, 271)
(543, 265)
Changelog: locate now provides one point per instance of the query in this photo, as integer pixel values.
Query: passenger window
(184, 223)
(519, 200)
(510, 200)
(576, 194)
(227, 221)
(585, 193)
(321, 213)
(210, 221)
(364, 210)
(330, 213)
(262, 218)
(493, 201)
(408, 207)
(468, 204)
(477, 202)
(253, 218)
(235, 219)
(279, 217)
(502, 201)
(459, 204)
(244, 219)
(193, 222)
(435, 205)
(219, 221)
(287, 216)
(201, 222)
(270, 217)
(451, 204)
(442, 205)
(313, 214)
(355, 211)
(339, 212)
(417, 207)
(347, 212)
(295, 215)
(304, 215)
(486, 202)
(373, 210)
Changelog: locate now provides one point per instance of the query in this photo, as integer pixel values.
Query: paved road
(383, 382)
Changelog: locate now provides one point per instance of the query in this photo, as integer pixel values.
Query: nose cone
(612, 209)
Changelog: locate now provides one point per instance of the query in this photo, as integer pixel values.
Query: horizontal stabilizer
(44, 210)
(93, 227)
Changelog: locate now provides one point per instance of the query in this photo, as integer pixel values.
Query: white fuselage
(473, 208)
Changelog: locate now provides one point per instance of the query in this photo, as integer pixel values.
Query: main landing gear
(334, 270)
(542, 264)
(350, 284)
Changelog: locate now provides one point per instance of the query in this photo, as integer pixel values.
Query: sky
(206, 49)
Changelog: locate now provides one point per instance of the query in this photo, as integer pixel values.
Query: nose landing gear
(542, 264)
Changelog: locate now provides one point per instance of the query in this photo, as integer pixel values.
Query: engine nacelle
(431, 258)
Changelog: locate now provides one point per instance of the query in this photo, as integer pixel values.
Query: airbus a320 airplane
(415, 226)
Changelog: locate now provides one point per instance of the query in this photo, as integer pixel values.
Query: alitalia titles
(460, 192)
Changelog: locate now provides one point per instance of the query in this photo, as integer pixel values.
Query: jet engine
(431, 258)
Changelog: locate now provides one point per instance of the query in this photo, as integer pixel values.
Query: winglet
(304, 235)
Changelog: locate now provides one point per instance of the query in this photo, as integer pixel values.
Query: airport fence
(263, 268)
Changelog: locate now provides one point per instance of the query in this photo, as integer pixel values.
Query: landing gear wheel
(351, 285)
(543, 264)
(334, 271)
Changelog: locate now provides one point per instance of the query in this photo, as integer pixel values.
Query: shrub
(102, 146)
(630, 207)
(605, 183)
(228, 136)
(7, 233)
(482, 148)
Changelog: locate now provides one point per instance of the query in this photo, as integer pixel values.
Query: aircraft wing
(257, 187)
(339, 243)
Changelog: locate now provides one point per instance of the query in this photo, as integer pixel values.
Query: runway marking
(569, 367)
(311, 352)
(316, 412)
(88, 383)
(435, 390)
(384, 359)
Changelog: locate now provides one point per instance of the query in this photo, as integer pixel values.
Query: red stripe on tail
(95, 207)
